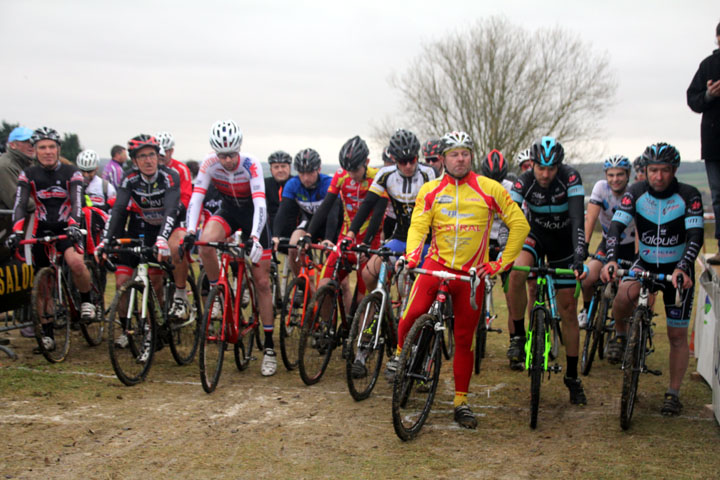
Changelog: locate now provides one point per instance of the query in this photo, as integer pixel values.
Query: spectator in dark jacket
(19, 156)
(703, 96)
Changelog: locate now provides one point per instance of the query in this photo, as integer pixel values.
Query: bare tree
(505, 86)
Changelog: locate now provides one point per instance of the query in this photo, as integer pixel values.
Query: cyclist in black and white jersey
(400, 183)
(604, 201)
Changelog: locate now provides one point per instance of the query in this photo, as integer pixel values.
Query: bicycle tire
(291, 321)
(94, 330)
(480, 340)
(317, 339)
(368, 320)
(185, 332)
(212, 340)
(537, 362)
(595, 333)
(556, 338)
(420, 357)
(632, 363)
(47, 308)
(248, 316)
(129, 337)
(448, 344)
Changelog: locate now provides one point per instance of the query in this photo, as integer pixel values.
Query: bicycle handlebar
(656, 277)
(471, 277)
(553, 272)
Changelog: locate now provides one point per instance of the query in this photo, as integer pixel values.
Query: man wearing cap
(703, 96)
(19, 155)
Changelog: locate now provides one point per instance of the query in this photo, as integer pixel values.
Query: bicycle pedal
(555, 368)
(657, 373)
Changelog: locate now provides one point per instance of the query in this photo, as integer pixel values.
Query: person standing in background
(113, 171)
(703, 96)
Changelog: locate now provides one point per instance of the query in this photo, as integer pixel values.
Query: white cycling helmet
(225, 137)
(87, 160)
(454, 140)
(166, 140)
(523, 156)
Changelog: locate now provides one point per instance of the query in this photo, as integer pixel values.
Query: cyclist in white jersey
(239, 179)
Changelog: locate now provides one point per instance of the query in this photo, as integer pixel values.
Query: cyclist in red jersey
(351, 183)
(180, 305)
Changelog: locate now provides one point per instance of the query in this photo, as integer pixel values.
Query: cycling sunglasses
(405, 161)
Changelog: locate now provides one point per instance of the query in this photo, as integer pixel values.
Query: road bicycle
(139, 319)
(601, 324)
(326, 325)
(294, 305)
(487, 317)
(56, 302)
(640, 340)
(373, 330)
(416, 378)
(231, 316)
(543, 333)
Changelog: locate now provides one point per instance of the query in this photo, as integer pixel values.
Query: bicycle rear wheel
(291, 320)
(51, 316)
(185, 332)
(632, 363)
(369, 323)
(317, 339)
(94, 330)
(131, 337)
(212, 339)
(416, 378)
(536, 343)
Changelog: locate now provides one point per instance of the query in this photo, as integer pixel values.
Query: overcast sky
(313, 73)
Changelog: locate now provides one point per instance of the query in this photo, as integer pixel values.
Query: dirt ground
(76, 420)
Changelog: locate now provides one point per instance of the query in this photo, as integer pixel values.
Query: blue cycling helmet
(661, 154)
(616, 161)
(547, 152)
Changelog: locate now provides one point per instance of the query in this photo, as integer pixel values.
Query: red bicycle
(56, 303)
(231, 315)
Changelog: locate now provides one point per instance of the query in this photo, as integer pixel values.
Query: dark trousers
(712, 167)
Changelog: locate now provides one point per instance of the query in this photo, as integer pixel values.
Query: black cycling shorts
(234, 218)
(39, 255)
(559, 254)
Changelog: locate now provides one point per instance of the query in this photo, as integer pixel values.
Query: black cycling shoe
(516, 353)
(358, 369)
(671, 405)
(616, 350)
(577, 393)
(465, 417)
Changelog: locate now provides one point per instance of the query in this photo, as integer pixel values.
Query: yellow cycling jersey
(460, 214)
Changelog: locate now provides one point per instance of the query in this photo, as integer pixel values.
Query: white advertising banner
(705, 320)
(716, 377)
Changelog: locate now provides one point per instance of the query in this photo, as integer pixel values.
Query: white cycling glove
(162, 246)
(256, 251)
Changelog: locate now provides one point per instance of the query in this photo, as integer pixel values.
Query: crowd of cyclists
(438, 212)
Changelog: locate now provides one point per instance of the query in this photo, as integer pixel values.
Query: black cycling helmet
(353, 154)
(386, 158)
(432, 148)
(404, 146)
(45, 133)
(280, 157)
(494, 166)
(661, 154)
(547, 152)
(307, 160)
(141, 141)
(638, 164)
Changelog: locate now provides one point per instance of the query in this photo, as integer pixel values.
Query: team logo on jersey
(250, 167)
(455, 213)
(626, 201)
(444, 199)
(572, 178)
(518, 185)
(696, 205)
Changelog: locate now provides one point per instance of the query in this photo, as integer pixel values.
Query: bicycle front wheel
(244, 346)
(185, 332)
(536, 344)
(448, 345)
(51, 316)
(94, 329)
(212, 339)
(317, 339)
(632, 364)
(365, 355)
(594, 336)
(291, 320)
(416, 378)
(480, 340)
(131, 339)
